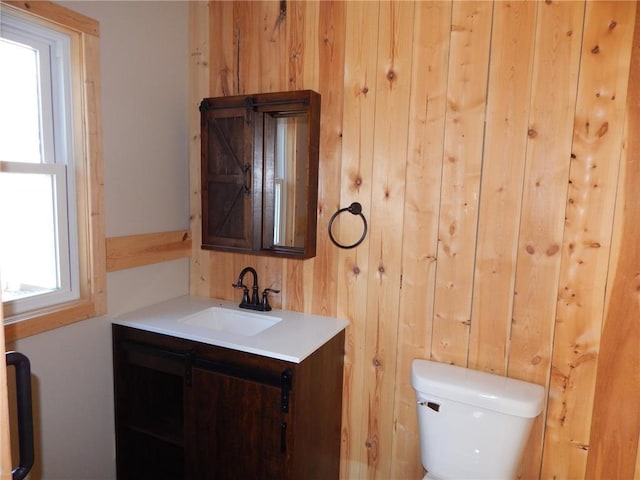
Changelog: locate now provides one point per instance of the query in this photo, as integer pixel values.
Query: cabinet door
(235, 429)
(149, 412)
(231, 184)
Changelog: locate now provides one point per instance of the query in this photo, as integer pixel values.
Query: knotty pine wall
(486, 142)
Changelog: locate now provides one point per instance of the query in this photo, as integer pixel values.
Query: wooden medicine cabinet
(260, 173)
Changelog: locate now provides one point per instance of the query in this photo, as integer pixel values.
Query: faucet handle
(245, 292)
(265, 298)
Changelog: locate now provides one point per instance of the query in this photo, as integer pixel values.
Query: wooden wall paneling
(461, 172)
(373, 137)
(219, 268)
(550, 129)
(509, 90)
(330, 36)
(258, 49)
(393, 85)
(614, 446)
(269, 21)
(432, 29)
(261, 33)
(200, 60)
(302, 52)
(360, 59)
(223, 72)
(597, 140)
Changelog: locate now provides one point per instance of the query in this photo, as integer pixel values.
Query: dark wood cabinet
(259, 173)
(188, 410)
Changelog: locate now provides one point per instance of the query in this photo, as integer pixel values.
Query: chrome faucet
(253, 303)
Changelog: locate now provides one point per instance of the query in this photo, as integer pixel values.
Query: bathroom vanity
(204, 390)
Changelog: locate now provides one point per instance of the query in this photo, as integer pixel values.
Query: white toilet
(473, 425)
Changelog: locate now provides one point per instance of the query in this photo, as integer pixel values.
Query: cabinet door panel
(235, 428)
(228, 178)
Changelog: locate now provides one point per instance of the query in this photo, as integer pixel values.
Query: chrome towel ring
(355, 209)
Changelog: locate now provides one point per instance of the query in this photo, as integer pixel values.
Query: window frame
(56, 159)
(87, 145)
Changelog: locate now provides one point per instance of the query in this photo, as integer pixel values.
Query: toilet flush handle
(432, 405)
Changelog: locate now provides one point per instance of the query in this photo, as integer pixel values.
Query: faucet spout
(255, 301)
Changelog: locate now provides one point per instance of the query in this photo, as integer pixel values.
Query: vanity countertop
(292, 339)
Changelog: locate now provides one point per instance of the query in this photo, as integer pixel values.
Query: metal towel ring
(355, 209)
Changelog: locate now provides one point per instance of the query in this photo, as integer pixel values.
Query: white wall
(144, 66)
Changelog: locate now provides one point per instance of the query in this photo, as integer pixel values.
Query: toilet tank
(472, 424)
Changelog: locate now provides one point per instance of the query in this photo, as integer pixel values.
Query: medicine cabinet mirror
(260, 173)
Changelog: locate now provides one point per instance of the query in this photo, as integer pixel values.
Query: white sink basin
(231, 321)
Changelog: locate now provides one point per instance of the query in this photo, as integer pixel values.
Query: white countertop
(292, 339)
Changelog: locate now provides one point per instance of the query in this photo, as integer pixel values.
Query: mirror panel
(285, 193)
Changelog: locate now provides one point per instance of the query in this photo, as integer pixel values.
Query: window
(51, 234)
(38, 241)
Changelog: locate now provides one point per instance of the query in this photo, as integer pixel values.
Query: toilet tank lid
(480, 389)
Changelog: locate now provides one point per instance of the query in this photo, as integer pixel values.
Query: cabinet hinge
(286, 377)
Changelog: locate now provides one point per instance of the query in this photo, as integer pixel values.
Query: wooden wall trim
(138, 250)
(5, 442)
(58, 14)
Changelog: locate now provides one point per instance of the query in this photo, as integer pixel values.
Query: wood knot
(613, 24)
(381, 269)
(356, 270)
(536, 360)
(530, 250)
(595, 49)
(357, 181)
(365, 90)
(531, 133)
(552, 250)
(377, 362)
(391, 75)
(604, 128)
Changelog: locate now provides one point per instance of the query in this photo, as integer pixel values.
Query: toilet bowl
(472, 425)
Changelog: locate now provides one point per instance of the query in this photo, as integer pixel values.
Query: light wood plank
(137, 250)
(597, 136)
(301, 23)
(355, 185)
(330, 41)
(199, 73)
(555, 80)
(422, 196)
(501, 187)
(614, 447)
(393, 87)
(461, 171)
